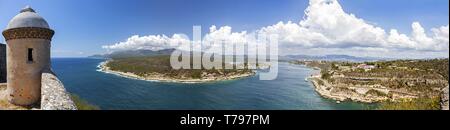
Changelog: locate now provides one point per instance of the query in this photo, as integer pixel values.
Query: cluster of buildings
(365, 67)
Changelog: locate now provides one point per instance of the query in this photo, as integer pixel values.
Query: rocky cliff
(444, 99)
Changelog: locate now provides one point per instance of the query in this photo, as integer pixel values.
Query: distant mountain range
(141, 53)
(134, 53)
(331, 58)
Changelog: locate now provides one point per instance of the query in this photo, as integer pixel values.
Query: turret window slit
(30, 54)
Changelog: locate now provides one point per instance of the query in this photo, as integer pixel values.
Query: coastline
(157, 77)
(332, 85)
(354, 93)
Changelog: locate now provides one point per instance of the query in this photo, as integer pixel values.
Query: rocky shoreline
(444, 99)
(157, 77)
(364, 93)
(340, 94)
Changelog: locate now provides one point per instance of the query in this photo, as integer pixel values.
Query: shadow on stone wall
(2, 63)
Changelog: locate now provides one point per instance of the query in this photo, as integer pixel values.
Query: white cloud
(151, 42)
(213, 40)
(325, 25)
(224, 34)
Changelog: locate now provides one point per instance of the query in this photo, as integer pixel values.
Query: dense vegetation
(143, 66)
(414, 104)
(415, 75)
(438, 66)
(83, 104)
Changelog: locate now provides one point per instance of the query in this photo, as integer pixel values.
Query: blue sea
(289, 91)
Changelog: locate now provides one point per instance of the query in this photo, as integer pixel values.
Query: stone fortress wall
(53, 94)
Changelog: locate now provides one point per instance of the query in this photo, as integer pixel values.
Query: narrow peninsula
(158, 68)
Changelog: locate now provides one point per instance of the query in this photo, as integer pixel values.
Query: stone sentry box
(30, 80)
(28, 54)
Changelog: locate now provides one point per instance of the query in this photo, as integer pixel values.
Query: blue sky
(84, 26)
